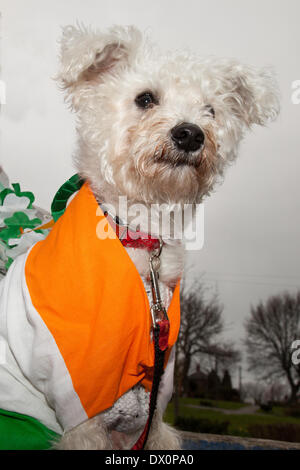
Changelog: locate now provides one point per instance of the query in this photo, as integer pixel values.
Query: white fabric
(34, 379)
(165, 391)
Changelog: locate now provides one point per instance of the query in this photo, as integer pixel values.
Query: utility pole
(240, 380)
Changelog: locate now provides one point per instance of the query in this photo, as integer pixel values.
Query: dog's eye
(211, 110)
(146, 100)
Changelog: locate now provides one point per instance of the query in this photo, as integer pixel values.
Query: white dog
(158, 129)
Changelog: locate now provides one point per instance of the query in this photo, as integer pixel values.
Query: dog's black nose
(187, 137)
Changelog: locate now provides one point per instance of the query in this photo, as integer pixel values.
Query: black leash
(160, 338)
(161, 327)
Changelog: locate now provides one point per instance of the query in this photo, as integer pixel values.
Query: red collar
(130, 238)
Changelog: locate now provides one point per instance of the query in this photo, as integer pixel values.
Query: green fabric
(22, 432)
(64, 193)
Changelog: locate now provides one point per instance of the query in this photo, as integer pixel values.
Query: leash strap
(160, 337)
(161, 328)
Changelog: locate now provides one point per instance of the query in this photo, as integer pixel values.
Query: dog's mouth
(179, 159)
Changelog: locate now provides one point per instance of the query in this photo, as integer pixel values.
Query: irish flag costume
(74, 325)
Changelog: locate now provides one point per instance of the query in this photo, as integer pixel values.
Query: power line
(276, 276)
(241, 281)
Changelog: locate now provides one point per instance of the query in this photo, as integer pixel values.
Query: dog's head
(154, 127)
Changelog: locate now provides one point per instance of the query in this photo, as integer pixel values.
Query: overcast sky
(252, 221)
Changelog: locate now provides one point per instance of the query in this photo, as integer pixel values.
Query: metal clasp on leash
(158, 311)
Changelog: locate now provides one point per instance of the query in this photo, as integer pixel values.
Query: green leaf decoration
(64, 193)
(14, 223)
(17, 191)
(4, 193)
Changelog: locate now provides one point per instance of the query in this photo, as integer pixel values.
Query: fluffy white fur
(125, 150)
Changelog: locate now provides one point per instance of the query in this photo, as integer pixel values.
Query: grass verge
(238, 424)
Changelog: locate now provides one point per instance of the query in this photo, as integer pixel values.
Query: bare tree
(200, 323)
(255, 391)
(276, 392)
(271, 330)
(262, 392)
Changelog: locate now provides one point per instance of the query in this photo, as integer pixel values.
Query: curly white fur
(125, 150)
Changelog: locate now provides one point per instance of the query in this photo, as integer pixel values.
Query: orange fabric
(93, 301)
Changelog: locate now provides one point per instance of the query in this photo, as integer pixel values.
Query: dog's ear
(252, 93)
(86, 55)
